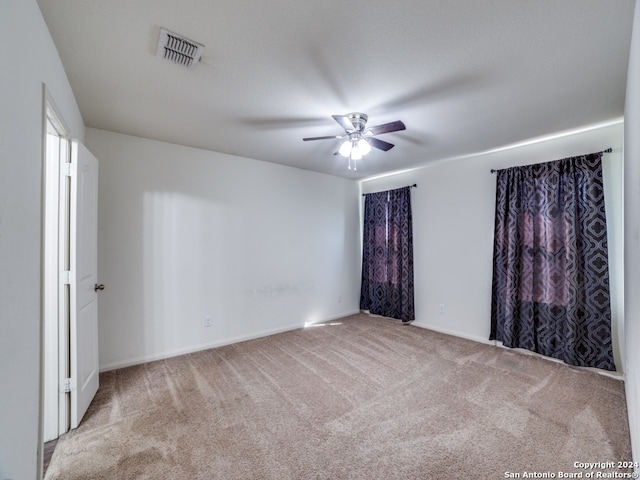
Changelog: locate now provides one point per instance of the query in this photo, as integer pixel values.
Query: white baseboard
(206, 346)
(332, 318)
(243, 338)
(454, 333)
(606, 373)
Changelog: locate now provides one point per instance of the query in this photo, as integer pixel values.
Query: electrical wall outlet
(207, 321)
(441, 308)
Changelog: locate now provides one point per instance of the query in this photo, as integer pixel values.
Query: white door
(84, 282)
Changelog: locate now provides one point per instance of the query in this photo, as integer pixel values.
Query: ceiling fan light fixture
(363, 146)
(345, 148)
(355, 153)
(356, 147)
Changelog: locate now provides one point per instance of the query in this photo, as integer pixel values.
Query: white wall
(28, 59)
(632, 237)
(185, 233)
(453, 219)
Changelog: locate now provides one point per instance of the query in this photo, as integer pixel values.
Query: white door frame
(55, 406)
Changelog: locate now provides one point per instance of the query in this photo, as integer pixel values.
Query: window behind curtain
(550, 267)
(387, 255)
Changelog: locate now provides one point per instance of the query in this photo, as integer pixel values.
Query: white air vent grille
(178, 49)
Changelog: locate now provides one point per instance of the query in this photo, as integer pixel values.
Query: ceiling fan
(358, 138)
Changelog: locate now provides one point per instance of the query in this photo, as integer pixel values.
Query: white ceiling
(465, 76)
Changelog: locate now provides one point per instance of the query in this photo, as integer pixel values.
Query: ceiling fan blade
(343, 121)
(386, 128)
(380, 144)
(328, 137)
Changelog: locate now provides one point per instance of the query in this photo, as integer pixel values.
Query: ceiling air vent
(178, 49)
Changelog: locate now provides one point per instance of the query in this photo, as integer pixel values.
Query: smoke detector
(178, 49)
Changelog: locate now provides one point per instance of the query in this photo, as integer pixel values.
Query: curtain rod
(410, 186)
(608, 150)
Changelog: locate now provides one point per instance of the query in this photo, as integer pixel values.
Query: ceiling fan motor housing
(358, 120)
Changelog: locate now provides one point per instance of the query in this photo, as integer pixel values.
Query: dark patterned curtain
(550, 262)
(387, 255)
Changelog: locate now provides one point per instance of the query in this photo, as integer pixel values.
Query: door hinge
(68, 169)
(65, 277)
(68, 385)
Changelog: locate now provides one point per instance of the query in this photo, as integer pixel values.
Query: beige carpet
(359, 398)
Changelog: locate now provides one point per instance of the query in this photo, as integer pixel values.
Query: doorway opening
(70, 363)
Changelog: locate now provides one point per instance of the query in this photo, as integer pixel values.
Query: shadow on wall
(189, 267)
(206, 278)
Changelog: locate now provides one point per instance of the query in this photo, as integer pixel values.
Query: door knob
(98, 287)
